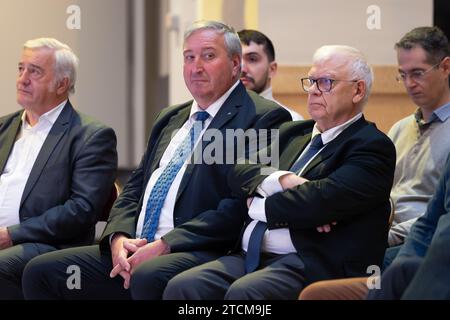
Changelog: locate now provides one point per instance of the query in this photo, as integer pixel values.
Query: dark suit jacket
(201, 223)
(429, 239)
(70, 182)
(350, 183)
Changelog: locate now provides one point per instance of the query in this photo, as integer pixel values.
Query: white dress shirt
(24, 153)
(279, 240)
(166, 218)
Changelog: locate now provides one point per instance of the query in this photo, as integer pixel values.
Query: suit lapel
(332, 146)
(175, 123)
(293, 151)
(226, 112)
(8, 139)
(57, 131)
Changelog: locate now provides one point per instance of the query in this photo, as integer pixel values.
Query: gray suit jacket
(69, 183)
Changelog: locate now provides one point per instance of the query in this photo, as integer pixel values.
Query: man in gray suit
(57, 167)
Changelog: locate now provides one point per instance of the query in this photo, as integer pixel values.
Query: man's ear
(62, 86)
(273, 68)
(445, 63)
(237, 63)
(359, 91)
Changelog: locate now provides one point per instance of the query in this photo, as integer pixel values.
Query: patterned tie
(257, 235)
(161, 188)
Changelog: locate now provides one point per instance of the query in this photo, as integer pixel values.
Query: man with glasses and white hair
(57, 166)
(335, 168)
(421, 141)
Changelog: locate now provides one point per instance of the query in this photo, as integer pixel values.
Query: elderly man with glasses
(421, 141)
(335, 168)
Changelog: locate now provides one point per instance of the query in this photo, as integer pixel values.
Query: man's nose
(23, 77)
(244, 68)
(198, 64)
(409, 81)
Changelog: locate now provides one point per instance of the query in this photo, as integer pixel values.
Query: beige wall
(297, 28)
(306, 26)
(101, 45)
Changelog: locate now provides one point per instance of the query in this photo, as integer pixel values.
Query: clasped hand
(128, 254)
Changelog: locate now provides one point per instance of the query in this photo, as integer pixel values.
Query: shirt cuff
(257, 210)
(271, 184)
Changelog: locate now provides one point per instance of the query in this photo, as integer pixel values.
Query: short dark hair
(249, 35)
(431, 39)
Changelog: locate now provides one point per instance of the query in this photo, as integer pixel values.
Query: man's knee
(35, 273)
(147, 283)
(180, 287)
(243, 290)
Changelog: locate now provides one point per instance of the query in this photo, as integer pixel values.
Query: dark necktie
(254, 246)
(161, 188)
(314, 147)
(257, 235)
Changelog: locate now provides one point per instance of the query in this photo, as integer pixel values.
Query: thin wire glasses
(415, 75)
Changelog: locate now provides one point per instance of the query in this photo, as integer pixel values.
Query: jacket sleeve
(220, 228)
(211, 230)
(94, 166)
(360, 181)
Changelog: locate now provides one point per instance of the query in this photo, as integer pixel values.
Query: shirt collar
(215, 106)
(267, 94)
(442, 114)
(330, 134)
(49, 116)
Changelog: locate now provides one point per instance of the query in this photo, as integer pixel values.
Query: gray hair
(232, 42)
(359, 68)
(66, 62)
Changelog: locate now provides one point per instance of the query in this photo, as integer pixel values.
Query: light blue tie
(161, 188)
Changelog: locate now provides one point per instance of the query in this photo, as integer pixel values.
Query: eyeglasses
(415, 75)
(323, 84)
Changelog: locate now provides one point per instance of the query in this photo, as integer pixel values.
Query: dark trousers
(279, 277)
(47, 276)
(12, 264)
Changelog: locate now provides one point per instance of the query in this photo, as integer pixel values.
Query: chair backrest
(107, 208)
(392, 215)
(101, 223)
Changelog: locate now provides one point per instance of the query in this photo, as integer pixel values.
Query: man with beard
(259, 65)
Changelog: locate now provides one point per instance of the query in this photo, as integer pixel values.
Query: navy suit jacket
(350, 181)
(429, 239)
(202, 216)
(69, 183)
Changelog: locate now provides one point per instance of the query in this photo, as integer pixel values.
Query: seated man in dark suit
(337, 169)
(173, 213)
(57, 166)
(421, 269)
